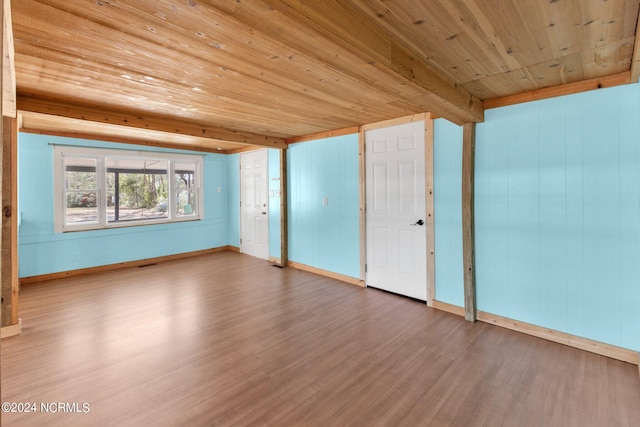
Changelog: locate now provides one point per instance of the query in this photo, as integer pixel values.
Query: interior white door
(254, 211)
(396, 206)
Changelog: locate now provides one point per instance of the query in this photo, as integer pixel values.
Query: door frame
(429, 214)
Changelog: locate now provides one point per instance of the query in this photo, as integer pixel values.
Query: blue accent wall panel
(558, 214)
(41, 251)
(325, 237)
(552, 212)
(491, 215)
(447, 182)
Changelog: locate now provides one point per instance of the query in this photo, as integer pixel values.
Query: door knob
(418, 222)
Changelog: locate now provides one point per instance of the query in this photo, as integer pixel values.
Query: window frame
(100, 155)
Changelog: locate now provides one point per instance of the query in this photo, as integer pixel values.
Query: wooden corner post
(284, 221)
(9, 264)
(468, 241)
(429, 141)
(9, 180)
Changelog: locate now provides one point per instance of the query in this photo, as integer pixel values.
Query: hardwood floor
(229, 340)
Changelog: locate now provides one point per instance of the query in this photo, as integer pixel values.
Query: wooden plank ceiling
(221, 74)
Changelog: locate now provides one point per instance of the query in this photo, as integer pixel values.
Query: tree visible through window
(81, 190)
(136, 189)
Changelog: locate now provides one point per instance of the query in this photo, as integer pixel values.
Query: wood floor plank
(228, 340)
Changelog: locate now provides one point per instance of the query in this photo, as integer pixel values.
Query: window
(98, 188)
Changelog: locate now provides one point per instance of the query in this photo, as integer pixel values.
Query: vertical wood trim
(284, 218)
(9, 264)
(430, 214)
(468, 243)
(363, 200)
(8, 87)
(2, 74)
(635, 60)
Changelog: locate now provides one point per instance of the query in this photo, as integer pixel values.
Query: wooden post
(2, 42)
(468, 243)
(635, 60)
(430, 214)
(362, 195)
(284, 222)
(9, 265)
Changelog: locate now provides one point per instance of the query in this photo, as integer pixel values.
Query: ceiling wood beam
(635, 60)
(381, 55)
(9, 64)
(321, 135)
(141, 121)
(125, 140)
(552, 92)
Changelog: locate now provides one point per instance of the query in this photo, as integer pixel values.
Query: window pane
(186, 203)
(80, 174)
(137, 189)
(81, 183)
(98, 188)
(186, 193)
(81, 208)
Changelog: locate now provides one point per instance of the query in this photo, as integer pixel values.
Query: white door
(254, 212)
(396, 208)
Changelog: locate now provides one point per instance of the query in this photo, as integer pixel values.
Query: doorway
(396, 231)
(254, 208)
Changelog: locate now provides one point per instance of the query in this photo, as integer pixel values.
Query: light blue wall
(325, 237)
(447, 195)
(558, 214)
(41, 251)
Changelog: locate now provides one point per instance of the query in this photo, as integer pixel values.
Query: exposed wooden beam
(141, 121)
(568, 89)
(468, 241)
(430, 214)
(2, 36)
(243, 149)
(321, 135)
(362, 196)
(123, 140)
(381, 54)
(284, 218)
(29, 122)
(8, 63)
(9, 264)
(635, 59)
